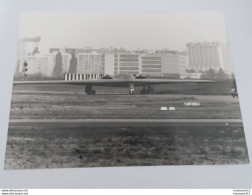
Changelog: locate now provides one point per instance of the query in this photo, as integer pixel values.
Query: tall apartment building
(209, 55)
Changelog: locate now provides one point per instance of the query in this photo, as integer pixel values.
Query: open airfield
(211, 133)
(71, 102)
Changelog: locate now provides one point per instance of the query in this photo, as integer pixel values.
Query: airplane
(118, 80)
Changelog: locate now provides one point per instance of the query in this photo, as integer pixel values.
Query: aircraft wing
(113, 82)
(94, 82)
(141, 82)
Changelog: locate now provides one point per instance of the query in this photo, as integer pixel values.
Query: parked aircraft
(119, 80)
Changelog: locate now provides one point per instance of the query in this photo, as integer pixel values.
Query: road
(124, 122)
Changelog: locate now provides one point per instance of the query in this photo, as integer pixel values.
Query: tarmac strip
(124, 122)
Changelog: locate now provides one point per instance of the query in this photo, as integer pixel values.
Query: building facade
(43, 64)
(151, 65)
(209, 55)
(38, 64)
(111, 61)
(147, 64)
(89, 63)
(125, 63)
(174, 63)
(65, 62)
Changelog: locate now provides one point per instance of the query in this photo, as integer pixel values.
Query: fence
(77, 77)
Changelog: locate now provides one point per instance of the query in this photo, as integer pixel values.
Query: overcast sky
(150, 30)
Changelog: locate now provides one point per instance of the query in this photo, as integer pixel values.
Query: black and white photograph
(111, 89)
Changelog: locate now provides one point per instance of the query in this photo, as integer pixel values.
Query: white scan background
(239, 27)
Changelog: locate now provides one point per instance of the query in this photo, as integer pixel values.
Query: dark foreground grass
(40, 147)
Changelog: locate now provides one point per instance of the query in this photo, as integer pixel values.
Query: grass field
(42, 147)
(42, 102)
(74, 106)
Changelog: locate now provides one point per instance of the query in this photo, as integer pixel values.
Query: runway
(124, 122)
